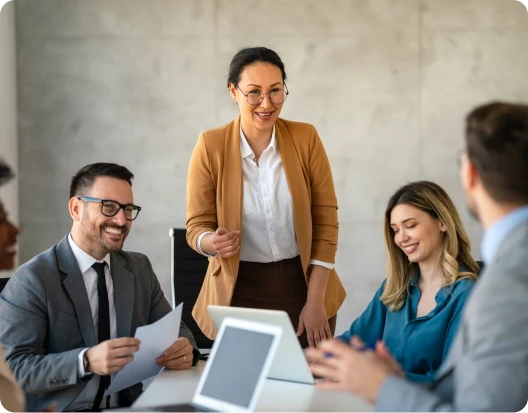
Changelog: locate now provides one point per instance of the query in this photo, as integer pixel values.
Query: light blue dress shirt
(499, 230)
(420, 345)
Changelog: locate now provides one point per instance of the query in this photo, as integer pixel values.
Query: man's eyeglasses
(255, 97)
(111, 208)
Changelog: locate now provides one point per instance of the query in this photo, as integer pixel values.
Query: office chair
(3, 282)
(188, 270)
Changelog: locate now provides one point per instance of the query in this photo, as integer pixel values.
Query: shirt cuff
(199, 241)
(322, 264)
(80, 363)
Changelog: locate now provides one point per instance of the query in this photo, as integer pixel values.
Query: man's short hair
(83, 180)
(497, 145)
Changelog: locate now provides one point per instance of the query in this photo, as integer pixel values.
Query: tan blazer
(11, 394)
(214, 198)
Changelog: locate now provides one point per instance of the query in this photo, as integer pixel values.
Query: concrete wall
(386, 83)
(8, 110)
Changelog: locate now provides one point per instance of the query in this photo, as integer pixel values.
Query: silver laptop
(289, 363)
(235, 371)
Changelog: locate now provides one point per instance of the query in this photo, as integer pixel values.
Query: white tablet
(237, 366)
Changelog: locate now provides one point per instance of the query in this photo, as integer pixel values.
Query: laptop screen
(235, 370)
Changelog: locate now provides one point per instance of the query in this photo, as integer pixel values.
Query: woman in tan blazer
(261, 204)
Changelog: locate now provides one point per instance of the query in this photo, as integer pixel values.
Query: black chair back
(3, 282)
(188, 270)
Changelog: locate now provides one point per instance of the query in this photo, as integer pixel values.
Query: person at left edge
(49, 310)
(261, 204)
(11, 395)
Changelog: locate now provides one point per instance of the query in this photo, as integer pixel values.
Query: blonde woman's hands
(351, 368)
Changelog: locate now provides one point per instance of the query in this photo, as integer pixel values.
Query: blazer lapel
(74, 284)
(232, 185)
(124, 292)
(292, 164)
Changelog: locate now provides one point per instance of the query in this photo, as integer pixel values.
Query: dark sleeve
(23, 330)
(369, 325)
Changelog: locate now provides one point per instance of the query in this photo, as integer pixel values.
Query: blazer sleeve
(23, 328)
(201, 195)
(159, 308)
(324, 203)
(370, 324)
(492, 373)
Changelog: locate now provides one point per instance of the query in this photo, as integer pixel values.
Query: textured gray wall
(134, 81)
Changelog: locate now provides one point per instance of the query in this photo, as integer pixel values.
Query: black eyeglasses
(111, 208)
(256, 96)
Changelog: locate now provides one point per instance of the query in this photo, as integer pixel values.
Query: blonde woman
(430, 274)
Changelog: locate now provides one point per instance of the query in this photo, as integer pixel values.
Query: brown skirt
(274, 286)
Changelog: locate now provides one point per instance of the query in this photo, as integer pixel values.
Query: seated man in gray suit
(487, 367)
(67, 317)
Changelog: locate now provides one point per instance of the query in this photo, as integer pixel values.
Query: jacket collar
(124, 291)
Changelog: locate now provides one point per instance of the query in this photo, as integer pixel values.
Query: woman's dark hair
(85, 177)
(249, 56)
(497, 145)
(6, 174)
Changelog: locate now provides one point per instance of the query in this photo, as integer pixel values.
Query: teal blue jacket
(421, 344)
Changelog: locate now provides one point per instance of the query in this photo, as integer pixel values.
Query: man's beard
(98, 246)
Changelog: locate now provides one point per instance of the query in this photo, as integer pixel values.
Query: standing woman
(261, 204)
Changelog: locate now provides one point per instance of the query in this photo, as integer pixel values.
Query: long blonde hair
(455, 251)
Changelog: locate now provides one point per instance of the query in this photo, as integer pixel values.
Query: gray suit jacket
(46, 320)
(487, 367)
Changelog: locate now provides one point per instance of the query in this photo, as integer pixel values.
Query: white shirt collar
(245, 149)
(84, 260)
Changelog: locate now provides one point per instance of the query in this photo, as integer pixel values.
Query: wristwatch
(86, 363)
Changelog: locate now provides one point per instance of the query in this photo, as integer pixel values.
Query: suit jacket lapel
(232, 185)
(74, 284)
(300, 198)
(124, 291)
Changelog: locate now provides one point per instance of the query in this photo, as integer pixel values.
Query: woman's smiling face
(263, 77)
(417, 233)
(8, 240)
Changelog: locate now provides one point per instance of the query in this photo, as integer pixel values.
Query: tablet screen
(237, 365)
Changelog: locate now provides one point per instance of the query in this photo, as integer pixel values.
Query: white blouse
(268, 230)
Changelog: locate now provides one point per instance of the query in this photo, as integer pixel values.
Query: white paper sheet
(155, 339)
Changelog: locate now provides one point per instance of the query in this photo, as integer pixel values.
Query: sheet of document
(155, 339)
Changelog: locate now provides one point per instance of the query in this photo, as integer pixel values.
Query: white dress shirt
(268, 230)
(86, 398)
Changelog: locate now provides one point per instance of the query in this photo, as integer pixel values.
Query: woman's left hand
(313, 318)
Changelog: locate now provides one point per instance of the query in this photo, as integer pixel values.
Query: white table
(173, 387)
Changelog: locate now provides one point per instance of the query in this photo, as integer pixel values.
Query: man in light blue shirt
(487, 367)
